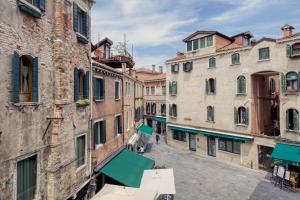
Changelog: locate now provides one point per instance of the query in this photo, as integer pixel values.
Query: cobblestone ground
(205, 178)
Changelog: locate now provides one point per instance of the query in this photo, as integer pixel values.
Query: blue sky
(156, 27)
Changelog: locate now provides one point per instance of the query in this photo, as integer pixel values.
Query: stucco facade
(192, 98)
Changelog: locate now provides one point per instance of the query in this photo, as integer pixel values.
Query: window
(292, 82)
(293, 50)
(147, 91)
(148, 108)
(25, 79)
(292, 119)
(188, 66)
(118, 125)
(202, 43)
(175, 68)
(99, 88)
(163, 90)
(241, 115)
(117, 90)
(235, 59)
(34, 8)
(210, 113)
(100, 132)
(152, 90)
(173, 88)
(81, 84)
(241, 85)
(212, 62)
(163, 109)
(272, 86)
(189, 46)
(173, 110)
(246, 41)
(264, 53)
(229, 145)
(179, 135)
(209, 41)
(27, 178)
(211, 86)
(195, 44)
(80, 150)
(80, 21)
(153, 108)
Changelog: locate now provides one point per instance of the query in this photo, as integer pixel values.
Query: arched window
(272, 86)
(296, 49)
(292, 82)
(241, 115)
(235, 58)
(173, 88)
(210, 86)
(212, 62)
(241, 85)
(210, 113)
(292, 119)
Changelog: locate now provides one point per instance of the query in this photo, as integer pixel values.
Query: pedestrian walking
(157, 138)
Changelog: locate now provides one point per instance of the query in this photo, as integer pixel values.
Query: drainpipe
(91, 114)
(123, 108)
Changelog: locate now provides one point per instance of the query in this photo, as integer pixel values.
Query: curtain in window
(241, 85)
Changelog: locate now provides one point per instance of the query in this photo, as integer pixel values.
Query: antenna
(125, 45)
(132, 50)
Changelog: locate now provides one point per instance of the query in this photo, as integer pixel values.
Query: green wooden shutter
(96, 133)
(247, 116)
(42, 5)
(116, 125)
(75, 17)
(120, 124)
(283, 83)
(103, 132)
(215, 86)
(15, 98)
(296, 119)
(287, 119)
(103, 88)
(213, 113)
(84, 24)
(175, 87)
(206, 86)
(35, 80)
(86, 85)
(299, 81)
(235, 111)
(36, 3)
(170, 110)
(76, 84)
(288, 51)
(94, 88)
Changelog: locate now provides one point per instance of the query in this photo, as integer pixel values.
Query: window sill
(173, 117)
(173, 94)
(292, 131)
(211, 122)
(241, 125)
(98, 146)
(174, 72)
(241, 94)
(211, 94)
(117, 99)
(263, 60)
(81, 167)
(30, 9)
(231, 153)
(81, 38)
(27, 104)
(118, 135)
(211, 67)
(235, 64)
(98, 100)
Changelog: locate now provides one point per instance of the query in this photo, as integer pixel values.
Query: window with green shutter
(179, 135)
(264, 53)
(80, 150)
(195, 44)
(188, 66)
(235, 59)
(118, 125)
(210, 86)
(242, 115)
(292, 119)
(117, 90)
(292, 84)
(173, 88)
(27, 178)
(80, 88)
(202, 42)
(241, 85)
(99, 89)
(175, 68)
(100, 132)
(86, 83)
(80, 23)
(210, 113)
(34, 8)
(209, 41)
(212, 62)
(189, 46)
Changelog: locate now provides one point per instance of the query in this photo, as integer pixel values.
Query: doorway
(211, 146)
(192, 142)
(264, 157)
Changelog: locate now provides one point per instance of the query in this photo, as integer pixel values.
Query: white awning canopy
(161, 180)
(116, 192)
(133, 139)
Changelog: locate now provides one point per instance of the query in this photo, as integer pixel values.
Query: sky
(156, 28)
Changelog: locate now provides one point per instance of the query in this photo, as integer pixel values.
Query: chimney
(287, 30)
(153, 68)
(124, 67)
(161, 69)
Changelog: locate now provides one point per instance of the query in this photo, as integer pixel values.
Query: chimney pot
(153, 68)
(287, 30)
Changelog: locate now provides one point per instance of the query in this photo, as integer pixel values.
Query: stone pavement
(205, 178)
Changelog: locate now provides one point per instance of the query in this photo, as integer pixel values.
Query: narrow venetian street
(205, 178)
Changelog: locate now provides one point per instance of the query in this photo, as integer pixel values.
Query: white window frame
(85, 150)
(99, 77)
(118, 134)
(119, 91)
(97, 121)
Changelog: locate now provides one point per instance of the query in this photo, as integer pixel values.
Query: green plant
(83, 102)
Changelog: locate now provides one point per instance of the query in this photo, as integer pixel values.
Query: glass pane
(229, 145)
(236, 147)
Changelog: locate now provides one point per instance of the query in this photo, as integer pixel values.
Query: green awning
(145, 129)
(208, 133)
(160, 119)
(287, 154)
(127, 168)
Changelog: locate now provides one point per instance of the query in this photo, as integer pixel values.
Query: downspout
(123, 106)
(91, 114)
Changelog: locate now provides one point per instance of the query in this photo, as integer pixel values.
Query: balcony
(116, 60)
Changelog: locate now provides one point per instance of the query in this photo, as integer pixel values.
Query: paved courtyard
(205, 178)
